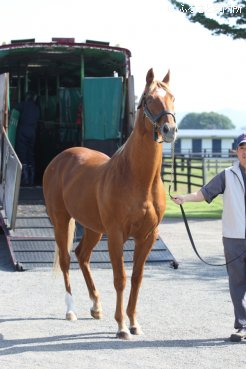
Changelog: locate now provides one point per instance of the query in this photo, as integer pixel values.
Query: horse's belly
(82, 206)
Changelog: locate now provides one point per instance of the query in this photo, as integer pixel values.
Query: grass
(194, 209)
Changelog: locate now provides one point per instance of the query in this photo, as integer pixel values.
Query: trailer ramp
(32, 243)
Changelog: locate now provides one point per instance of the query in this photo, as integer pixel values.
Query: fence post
(204, 173)
(175, 173)
(162, 168)
(216, 165)
(188, 174)
(182, 163)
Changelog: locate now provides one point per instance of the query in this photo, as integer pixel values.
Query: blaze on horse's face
(160, 106)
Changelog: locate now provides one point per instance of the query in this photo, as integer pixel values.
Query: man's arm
(189, 197)
(208, 192)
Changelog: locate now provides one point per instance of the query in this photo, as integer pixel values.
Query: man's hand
(178, 199)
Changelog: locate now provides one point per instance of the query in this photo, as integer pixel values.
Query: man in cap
(231, 182)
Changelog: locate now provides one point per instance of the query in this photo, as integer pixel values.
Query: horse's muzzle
(168, 132)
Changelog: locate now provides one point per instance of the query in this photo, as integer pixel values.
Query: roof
(209, 133)
(65, 55)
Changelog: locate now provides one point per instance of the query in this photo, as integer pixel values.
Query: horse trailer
(86, 98)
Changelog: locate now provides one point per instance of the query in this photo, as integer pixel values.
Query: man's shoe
(239, 335)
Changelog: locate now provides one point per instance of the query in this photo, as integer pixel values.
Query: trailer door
(3, 93)
(10, 172)
(102, 105)
(130, 104)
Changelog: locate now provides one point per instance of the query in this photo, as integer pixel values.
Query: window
(177, 146)
(196, 145)
(216, 146)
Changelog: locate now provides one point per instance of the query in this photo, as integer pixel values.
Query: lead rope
(172, 170)
(185, 219)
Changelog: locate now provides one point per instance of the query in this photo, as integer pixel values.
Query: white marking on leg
(70, 314)
(96, 310)
(97, 306)
(136, 329)
(123, 332)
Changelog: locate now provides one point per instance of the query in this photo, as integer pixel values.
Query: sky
(207, 72)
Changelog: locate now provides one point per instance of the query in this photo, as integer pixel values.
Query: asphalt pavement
(186, 313)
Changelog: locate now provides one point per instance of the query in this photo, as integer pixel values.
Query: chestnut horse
(121, 196)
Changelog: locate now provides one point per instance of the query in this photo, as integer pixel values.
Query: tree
(228, 16)
(206, 121)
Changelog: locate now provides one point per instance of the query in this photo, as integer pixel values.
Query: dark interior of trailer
(64, 78)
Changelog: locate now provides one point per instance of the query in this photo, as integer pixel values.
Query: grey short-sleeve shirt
(217, 185)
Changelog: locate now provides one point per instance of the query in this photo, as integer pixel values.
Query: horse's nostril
(165, 128)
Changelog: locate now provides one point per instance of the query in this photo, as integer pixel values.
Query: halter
(154, 118)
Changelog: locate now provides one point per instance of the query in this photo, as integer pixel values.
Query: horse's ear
(150, 77)
(166, 79)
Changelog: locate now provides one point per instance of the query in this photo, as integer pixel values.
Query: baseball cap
(241, 139)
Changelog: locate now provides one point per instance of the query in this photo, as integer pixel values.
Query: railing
(213, 166)
(192, 171)
(11, 175)
(208, 153)
(187, 171)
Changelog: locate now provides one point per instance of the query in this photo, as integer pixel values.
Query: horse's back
(72, 159)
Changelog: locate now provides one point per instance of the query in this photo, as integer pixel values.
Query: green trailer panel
(102, 100)
(13, 122)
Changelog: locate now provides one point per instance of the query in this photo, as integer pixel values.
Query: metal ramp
(32, 242)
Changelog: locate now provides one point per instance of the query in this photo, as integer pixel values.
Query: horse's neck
(143, 153)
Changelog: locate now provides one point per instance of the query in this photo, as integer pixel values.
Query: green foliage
(230, 16)
(206, 121)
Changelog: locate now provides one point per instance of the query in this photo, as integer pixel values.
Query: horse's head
(158, 106)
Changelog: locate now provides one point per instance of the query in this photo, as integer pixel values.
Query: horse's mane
(121, 148)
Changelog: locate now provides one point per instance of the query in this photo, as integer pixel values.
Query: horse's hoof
(71, 316)
(96, 314)
(123, 335)
(136, 331)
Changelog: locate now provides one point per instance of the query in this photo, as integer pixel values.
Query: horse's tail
(70, 236)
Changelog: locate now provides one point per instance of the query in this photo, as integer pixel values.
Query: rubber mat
(32, 242)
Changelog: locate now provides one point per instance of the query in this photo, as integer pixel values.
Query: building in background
(208, 143)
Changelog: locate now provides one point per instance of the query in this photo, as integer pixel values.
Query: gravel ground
(186, 314)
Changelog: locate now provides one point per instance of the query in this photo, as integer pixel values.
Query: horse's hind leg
(83, 252)
(64, 231)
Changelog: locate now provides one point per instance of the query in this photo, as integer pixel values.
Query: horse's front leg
(142, 249)
(115, 245)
